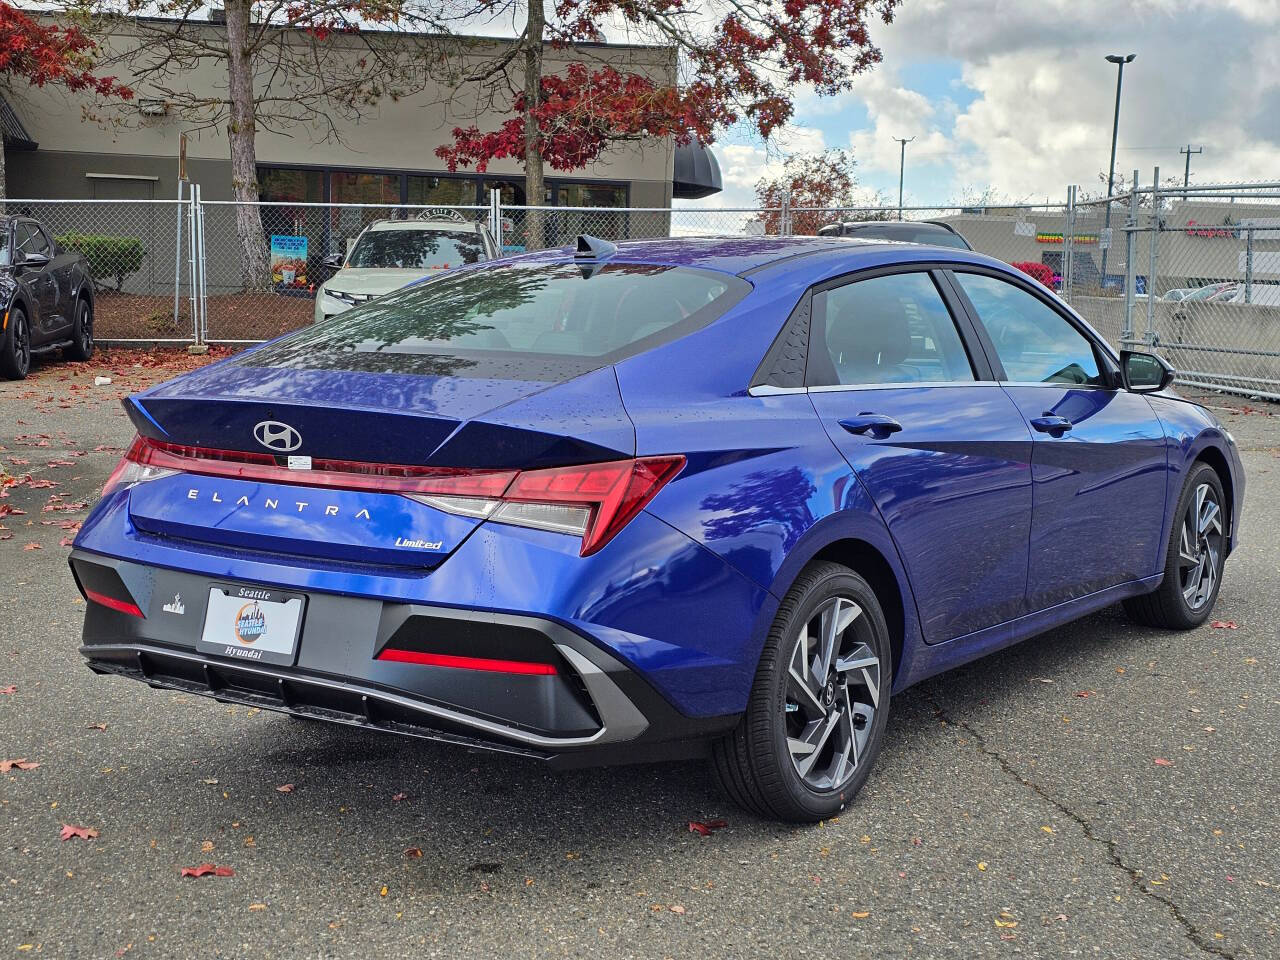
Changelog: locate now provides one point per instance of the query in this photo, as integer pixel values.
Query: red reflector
(467, 663)
(120, 606)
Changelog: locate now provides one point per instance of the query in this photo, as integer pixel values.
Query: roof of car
(743, 255)
(453, 225)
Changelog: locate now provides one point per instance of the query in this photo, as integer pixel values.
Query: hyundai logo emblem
(277, 436)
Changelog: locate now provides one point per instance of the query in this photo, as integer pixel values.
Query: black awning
(15, 134)
(697, 173)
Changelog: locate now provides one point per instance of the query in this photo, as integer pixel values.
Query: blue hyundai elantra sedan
(669, 498)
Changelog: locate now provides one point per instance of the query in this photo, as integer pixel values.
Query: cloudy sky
(1016, 96)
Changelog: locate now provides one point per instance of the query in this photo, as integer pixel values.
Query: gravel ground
(1104, 790)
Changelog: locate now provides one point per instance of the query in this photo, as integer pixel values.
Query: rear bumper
(582, 706)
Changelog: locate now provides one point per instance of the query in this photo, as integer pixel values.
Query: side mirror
(1144, 372)
(35, 260)
(333, 261)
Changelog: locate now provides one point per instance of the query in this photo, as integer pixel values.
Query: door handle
(1052, 424)
(876, 424)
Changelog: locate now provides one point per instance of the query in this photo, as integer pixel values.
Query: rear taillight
(593, 501)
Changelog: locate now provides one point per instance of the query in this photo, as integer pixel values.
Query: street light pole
(1119, 61)
(1186, 176)
(902, 164)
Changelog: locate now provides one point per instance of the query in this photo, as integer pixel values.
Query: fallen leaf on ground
(1224, 624)
(399, 796)
(84, 833)
(285, 788)
(1162, 762)
(257, 906)
(861, 914)
(677, 909)
(9, 689)
(1084, 694)
(20, 764)
(705, 828)
(413, 853)
(207, 869)
(206, 847)
(32, 546)
(96, 726)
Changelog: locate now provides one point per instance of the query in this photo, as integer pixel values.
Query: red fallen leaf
(9, 689)
(20, 764)
(285, 788)
(96, 726)
(8, 511)
(84, 833)
(66, 541)
(207, 869)
(32, 546)
(413, 853)
(1162, 762)
(19, 462)
(399, 796)
(1224, 625)
(41, 484)
(698, 826)
(1084, 694)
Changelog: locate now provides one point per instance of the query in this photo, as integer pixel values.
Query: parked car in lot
(909, 231)
(703, 497)
(390, 254)
(47, 295)
(1258, 294)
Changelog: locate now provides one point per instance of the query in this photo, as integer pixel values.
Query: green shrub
(108, 256)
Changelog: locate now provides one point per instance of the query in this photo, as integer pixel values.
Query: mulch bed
(232, 316)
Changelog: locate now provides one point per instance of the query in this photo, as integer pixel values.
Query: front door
(938, 445)
(1099, 461)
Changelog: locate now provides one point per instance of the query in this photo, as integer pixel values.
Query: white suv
(389, 254)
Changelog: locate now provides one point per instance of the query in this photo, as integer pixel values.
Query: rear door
(1099, 463)
(907, 397)
(40, 280)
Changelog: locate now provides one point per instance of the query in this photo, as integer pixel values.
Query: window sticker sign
(289, 261)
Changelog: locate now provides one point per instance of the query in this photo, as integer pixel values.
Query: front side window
(537, 322)
(409, 249)
(1034, 342)
(890, 329)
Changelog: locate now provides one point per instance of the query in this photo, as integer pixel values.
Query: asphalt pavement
(1104, 790)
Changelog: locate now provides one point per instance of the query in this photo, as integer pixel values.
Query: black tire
(1170, 606)
(81, 332)
(755, 764)
(15, 351)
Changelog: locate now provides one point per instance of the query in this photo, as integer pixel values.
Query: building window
(567, 224)
(364, 188)
(591, 195)
(291, 186)
(442, 191)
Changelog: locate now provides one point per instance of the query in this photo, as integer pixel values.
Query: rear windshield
(537, 322)
(417, 249)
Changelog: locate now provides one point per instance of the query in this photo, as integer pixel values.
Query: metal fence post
(202, 261)
(1069, 245)
(1131, 250)
(1153, 244)
(495, 216)
(1248, 264)
(192, 291)
(786, 214)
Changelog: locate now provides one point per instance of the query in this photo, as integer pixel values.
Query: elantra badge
(277, 436)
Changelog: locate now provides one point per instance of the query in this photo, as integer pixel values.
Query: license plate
(250, 623)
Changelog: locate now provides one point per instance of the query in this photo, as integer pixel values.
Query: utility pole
(902, 164)
(1119, 61)
(1186, 177)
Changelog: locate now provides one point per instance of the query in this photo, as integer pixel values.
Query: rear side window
(888, 329)
(409, 249)
(539, 322)
(1034, 342)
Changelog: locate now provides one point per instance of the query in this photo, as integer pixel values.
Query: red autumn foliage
(819, 185)
(49, 53)
(22, 763)
(744, 64)
(706, 828)
(84, 833)
(1037, 271)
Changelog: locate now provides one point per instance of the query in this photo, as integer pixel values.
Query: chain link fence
(1192, 272)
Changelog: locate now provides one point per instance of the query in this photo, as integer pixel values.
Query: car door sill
(50, 347)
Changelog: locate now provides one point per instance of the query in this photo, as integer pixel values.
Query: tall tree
(820, 189)
(40, 54)
(289, 64)
(735, 62)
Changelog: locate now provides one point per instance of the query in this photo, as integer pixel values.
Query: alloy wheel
(1200, 547)
(22, 342)
(832, 694)
(86, 327)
